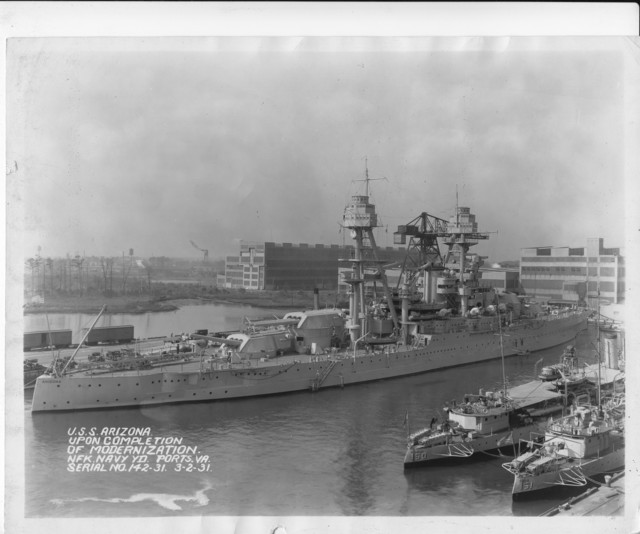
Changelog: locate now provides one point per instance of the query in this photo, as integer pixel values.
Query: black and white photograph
(292, 280)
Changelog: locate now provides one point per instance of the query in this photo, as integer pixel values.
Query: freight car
(40, 340)
(109, 334)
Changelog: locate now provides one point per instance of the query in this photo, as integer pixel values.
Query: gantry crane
(423, 249)
(423, 253)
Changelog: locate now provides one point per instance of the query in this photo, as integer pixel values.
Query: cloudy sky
(149, 143)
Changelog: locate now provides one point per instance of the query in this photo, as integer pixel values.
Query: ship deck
(183, 362)
(537, 391)
(533, 393)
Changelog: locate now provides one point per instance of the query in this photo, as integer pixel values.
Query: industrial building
(270, 265)
(574, 274)
(501, 279)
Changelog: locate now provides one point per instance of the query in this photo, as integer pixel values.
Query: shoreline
(139, 305)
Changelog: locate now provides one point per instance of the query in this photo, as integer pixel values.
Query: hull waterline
(202, 381)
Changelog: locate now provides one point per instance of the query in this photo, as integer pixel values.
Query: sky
(151, 143)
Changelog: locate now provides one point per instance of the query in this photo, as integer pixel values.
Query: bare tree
(107, 274)
(125, 272)
(47, 263)
(77, 263)
(37, 264)
(148, 270)
(31, 262)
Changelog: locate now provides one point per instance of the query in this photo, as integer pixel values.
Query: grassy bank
(169, 297)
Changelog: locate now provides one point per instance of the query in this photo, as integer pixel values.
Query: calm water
(215, 317)
(334, 452)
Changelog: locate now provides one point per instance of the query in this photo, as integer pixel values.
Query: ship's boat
(548, 374)
(567, 373)
(453, 323)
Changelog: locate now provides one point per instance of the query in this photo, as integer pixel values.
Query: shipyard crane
(205, 251)
(423, 253)
(423, 233)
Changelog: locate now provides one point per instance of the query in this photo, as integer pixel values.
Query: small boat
(488, 422)
(567, 371)
(481, 423)
(574, 448)
(588, 442)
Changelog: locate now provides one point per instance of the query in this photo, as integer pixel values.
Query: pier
(603, 500)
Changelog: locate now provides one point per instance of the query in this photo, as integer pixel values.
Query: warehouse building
(574, 274)
(291, 266)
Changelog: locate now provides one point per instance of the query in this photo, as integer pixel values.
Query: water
(335, 452)
(215, 317)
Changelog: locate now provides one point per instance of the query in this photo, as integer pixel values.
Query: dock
(605, 499)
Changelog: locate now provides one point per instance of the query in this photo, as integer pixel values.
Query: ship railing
(459, 450)
(573, 478)
(319, 358)
(560, 428)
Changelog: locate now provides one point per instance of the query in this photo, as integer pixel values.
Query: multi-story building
(501, 279)
(291, 266)
(574, 274)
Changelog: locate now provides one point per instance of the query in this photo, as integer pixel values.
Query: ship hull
(568, 476)
(417, 456)
(194, 382)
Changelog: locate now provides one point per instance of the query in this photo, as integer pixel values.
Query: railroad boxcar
(109, 334)
(54, 338)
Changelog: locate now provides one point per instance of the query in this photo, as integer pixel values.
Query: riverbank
(172, 300)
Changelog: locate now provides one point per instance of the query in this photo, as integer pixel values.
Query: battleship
(438, 316)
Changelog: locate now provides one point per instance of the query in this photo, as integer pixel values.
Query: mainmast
(504, 374)
(462, 234)
(598, 351)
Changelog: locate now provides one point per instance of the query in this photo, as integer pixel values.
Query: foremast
(360, 219)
